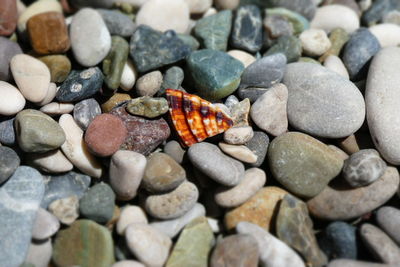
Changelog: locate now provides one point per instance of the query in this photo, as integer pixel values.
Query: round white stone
(315, 42)
(128, 77)
(387, 34)
(330, 17)
(11, 100)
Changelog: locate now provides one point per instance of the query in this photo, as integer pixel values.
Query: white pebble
(335, 64)
(11, 100)
(330, 17)
(315, 42)
(128, 77)
(240, 152)
(54, 108)
(387, 34)
(130, 214)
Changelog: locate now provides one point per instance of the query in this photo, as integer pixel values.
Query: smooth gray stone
(321, 102)
(252, 93)
(85, 111)
(259, 146)
(7, 132)
(20, 198)
(117, 23)
(9, 162)
(388, 219)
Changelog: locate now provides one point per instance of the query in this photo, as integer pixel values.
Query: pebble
(379, 244)
(363, 168)
(381, 108)
(48, 33)
(12, 101)
(273, 252)
(298, 22)
(239, 152)
(50, 95)
(253, 181)
(46, 225)
(240, 113)
(315, 42)
(31, 76)
(307, 107)
(198, 6)
(21, 196)
(105, 134)
(259, 145)
(59, 66)
(53, 161)
(149, 84)
(37, 132)
(7, 132)
(295, 228)
(117, 22)
(335, 203)
(8, 49)
(128, 263)
(339, 240)
(84, 243)
(338, 38)
(238, 135)
(39, 254)
(174, 204)
(242, 56)
(151, 49)
(302, 164)
(37, 8)
(162, 173)
(173, 78)
(264, 72)
(9, 15)
(65, 209)
(269, 110)
(85, 111)
(64, 185)
(150, 246)
(353, 263)
(97, 204)
(213, 31)
(54, 108)
(247, 29)
(215, 73)
(388, 219)
(193, 245)
(75, 148)
(276, 26)
(147, 106)
(290, 46)
(175, 151)
(349, 3)
(334, 63)
(326, 18)
(239, 250)
(306, 8)
(172, 227)
(377, 10)
(163, 16)
(128, 77)
(259, 209)
(358, 51)
(90, 38)
(80, 85)
(114, 62)
(386, 34)
(126, 172)
(143, 135)
(9, 162)
(209, 159)
(130, 214)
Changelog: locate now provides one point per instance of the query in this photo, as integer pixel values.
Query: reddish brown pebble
(8, 17)
(48, 33)
(105, 134)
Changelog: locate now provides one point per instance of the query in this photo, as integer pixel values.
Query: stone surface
(298, 22)
(326, 18)
(242, 56)
(90, 38)
(306, 8)
(377, 10)
(259, 145)
(381, 108)
(8, 49)
(12, 101)
(114, 62)
(386, 33)
(80, 85)
(45, 225)
(353, 263)
(149, 107)
(260, 209)
(173, 204)
(209, 159)
(240, 113)
(334, 63)
(238, 135)
(53, 161)
(128, 77)
(335, 110)
(193, 245)
(151, 49)
(388, 218)
(173, 78)
(315, 42)
(143, 135)
(126, 172)
(130, 214)
(149, 246)
(50, 95)
(7, 132)
(302, 164)
(117, 22)
(84, 243)
(276, 26)
(294, 227)
(31, 76)
(39, 254)
(75, 148)
(213, 31)
(9, 162)
(21, 196)
(290, 46)
(85, 111)
(37, 132)
(9, 17)
(247, 29)
(65, 209)
(128, 263)
(215, 74)
(340, 202)
(273, 252)
(150, 83)
(239, 152)
(175, 151)
(55, 108)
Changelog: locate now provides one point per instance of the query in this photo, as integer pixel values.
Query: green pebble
(146, 106)
(338, 38)
(173, 79)
(189, 41)
(59, 66)
(299, 22)
(288, 45)
(114, 63)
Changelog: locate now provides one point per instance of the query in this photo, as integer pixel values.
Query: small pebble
(59, 67)
(239, 152)
(388, 219)
(85, 111)
(326, 18)
(8, 49)
(238, 135)
(117, 22)
(65, 209)
(130, 214)
(54, 108)
(45, 226)
(259, 145)
(242, 56)
(149, 84)
(315, 42)
(386, 34)
(334, 63)
(149, 107)
(175, 151)
(9, 162)
(12, 101)
(39, 253)
(128, 77)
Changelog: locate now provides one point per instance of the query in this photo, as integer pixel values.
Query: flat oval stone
(303, 164)
(90, 38)
(9, 17)
(37, 132)
(162, 173)
(150, 83)
(209, 159)
(9, 162)
(149, 107)
(342, 202)
(85, 111)
(54, 108)
(59, 66)
(334, 110)
(235, 250)
(84, 243)
(8, 49)
(239, 152)
(382, 108)
(388, 219)
(326, 18)
(80, 85)
(173, 204)
(31, 75)
(113, 64)
(53, 161)
(12, 100)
